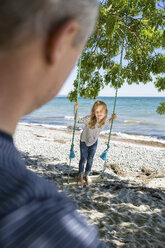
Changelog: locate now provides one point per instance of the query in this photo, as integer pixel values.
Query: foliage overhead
(144, 60)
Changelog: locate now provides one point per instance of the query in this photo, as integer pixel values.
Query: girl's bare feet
(80, 182)
(88, 180)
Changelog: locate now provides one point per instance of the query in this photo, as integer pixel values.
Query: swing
(103, 156)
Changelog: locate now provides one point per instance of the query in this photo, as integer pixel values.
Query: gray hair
(25, 20)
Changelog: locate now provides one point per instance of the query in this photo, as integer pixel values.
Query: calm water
(136, 115)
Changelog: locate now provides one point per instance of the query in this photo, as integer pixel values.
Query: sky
(147, 90)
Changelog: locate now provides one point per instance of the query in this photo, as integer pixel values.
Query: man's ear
(60, 39)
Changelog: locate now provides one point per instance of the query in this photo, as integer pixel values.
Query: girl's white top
(90, 135)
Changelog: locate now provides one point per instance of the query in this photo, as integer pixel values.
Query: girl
(89, 137)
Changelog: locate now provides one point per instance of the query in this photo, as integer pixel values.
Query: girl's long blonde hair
(93, 120)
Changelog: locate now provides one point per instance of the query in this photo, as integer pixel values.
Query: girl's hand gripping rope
(76, 107)
(113, 116)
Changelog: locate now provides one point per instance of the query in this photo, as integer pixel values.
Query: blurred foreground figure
(40, 41)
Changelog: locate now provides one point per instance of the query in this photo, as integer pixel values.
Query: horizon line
(117, 96)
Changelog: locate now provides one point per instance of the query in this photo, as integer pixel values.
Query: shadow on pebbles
(126, 213)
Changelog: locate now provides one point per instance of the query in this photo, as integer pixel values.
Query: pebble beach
(128, 207)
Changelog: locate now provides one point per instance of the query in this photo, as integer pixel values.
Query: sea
(136, 116)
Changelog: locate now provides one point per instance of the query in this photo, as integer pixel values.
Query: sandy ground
(128, 208)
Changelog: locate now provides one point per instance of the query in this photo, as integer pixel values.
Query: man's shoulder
(47, 224)
(19, 189)
(32, 203)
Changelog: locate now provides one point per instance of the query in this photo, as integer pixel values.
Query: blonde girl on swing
(94, 124)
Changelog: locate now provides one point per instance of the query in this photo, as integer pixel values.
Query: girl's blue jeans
(86, 154)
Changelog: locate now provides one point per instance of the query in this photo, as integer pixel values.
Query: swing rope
(103, 156)
(72, 153)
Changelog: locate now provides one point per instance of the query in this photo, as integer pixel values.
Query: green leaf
(161, 109)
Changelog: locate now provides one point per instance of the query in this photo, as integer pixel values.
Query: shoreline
(140, 139)
(137, 142)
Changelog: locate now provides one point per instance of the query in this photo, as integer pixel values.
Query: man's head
(24, 20)
(40, 41)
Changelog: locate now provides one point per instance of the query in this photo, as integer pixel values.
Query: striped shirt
(90, 135)
(33, 214)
